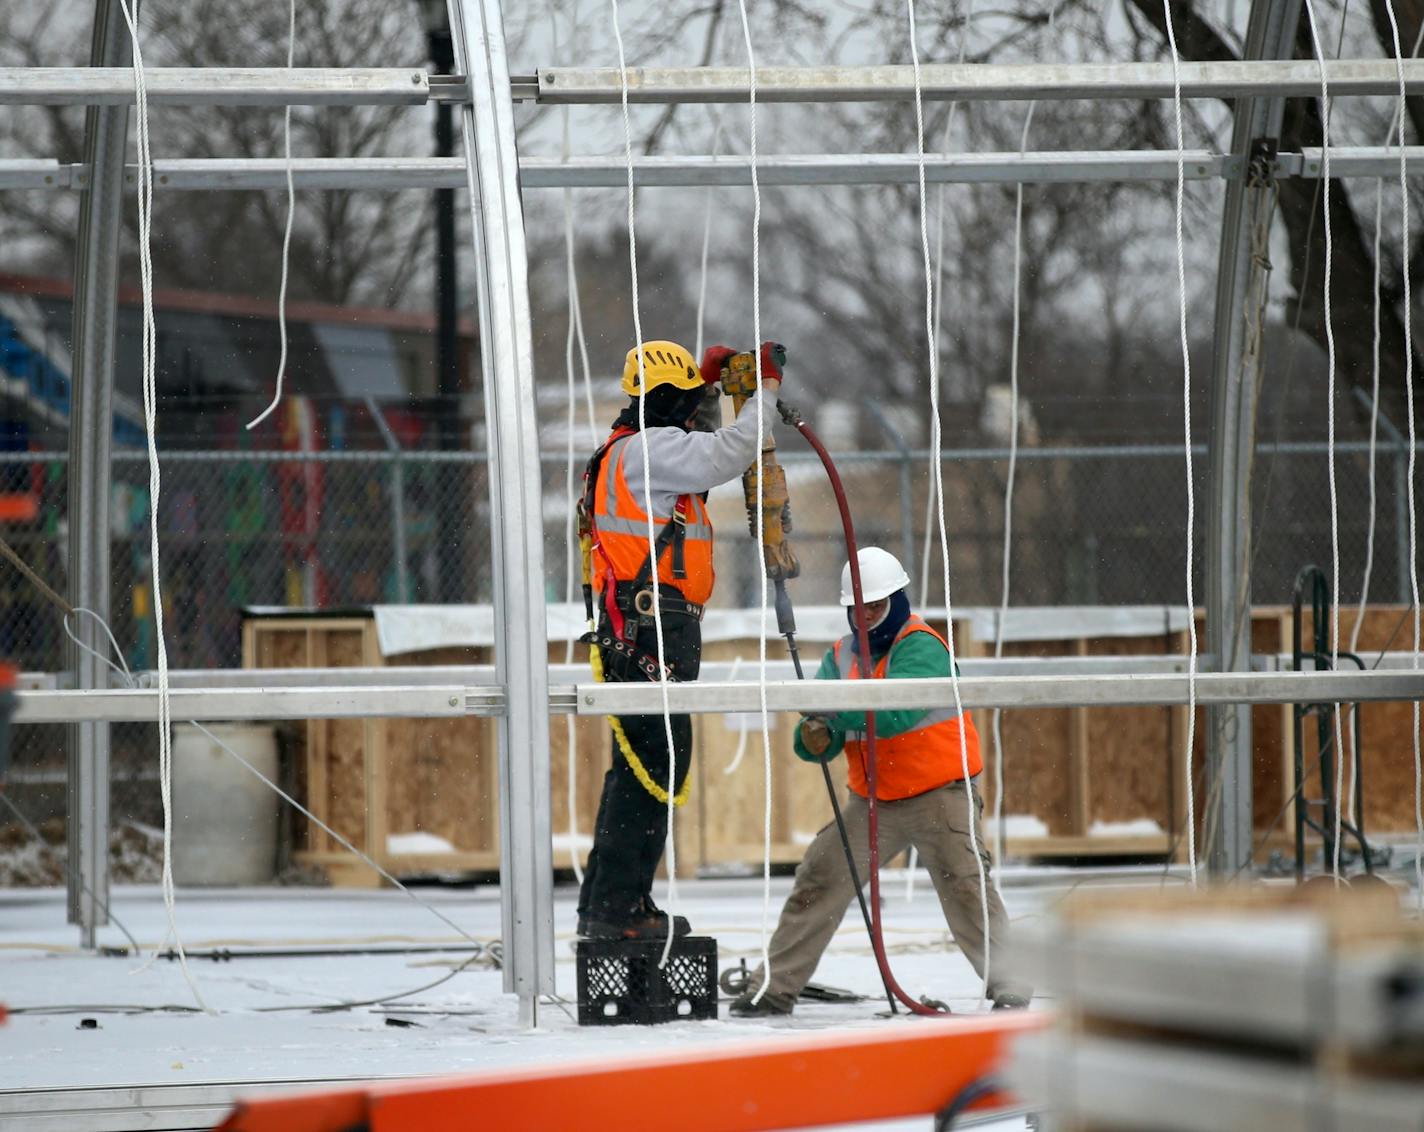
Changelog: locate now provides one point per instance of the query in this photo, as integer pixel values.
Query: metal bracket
(1262, 162)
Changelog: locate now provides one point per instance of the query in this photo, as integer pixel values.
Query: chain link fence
(347, 529)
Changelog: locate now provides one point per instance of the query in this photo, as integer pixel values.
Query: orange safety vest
(620, 533)
(916, 761)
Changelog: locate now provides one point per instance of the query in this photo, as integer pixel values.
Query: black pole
(447, 346)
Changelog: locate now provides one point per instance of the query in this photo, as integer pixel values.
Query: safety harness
(629, 606)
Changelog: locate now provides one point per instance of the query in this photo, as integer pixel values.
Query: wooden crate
(1068, 767)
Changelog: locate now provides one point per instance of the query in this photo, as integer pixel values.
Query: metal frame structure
(517, 691)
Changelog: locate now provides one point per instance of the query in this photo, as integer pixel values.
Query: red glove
(773, 357)
(713, 361)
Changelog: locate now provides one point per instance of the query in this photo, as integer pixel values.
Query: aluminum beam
(91, 430)
(397, 173)
(970, 82)
(1003, 691)
(516, 501)
(140, 705)
(215, 86)
(364, 694)
(1237, 371)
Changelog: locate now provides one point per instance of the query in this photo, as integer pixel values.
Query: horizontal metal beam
(360, 699)
(1003, 691)
(140, 705)
(969, 82)
(216, 86)
(396, 173)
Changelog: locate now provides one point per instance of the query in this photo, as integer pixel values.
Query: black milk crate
(619, 981)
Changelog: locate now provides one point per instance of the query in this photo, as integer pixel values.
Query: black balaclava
(884, 634)
(667, 407)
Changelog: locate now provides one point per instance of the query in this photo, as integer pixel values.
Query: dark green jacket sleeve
(917, 656)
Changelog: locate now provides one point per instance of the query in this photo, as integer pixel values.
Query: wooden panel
(1037, 761)
(442, 774)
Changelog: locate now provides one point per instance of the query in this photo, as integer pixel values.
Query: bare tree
(346, 246)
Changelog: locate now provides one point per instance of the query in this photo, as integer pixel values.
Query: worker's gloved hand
(773, 357)
(713, 360)
(815, 735)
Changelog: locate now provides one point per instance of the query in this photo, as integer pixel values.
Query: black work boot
(772, 1005)
(1010, 1001)
(643, 921)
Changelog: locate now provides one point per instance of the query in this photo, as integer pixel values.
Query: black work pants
(631, 827)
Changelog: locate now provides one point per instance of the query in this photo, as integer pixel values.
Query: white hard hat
(880, 576)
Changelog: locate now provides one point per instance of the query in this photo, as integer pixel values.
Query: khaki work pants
(937, 825)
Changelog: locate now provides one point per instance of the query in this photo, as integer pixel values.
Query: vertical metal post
(398, 548)
(91, 430)
(1237, 361)
(516, 489)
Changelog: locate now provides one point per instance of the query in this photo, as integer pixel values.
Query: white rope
(731, 767)
(150, 416)
(1409, 412)
(1337, 758)
(708, 196)
(936, 444)
(1011, 478)
(941, 194)
(1354, 754)
(760, 515)
(1187, 445)
(287, 233)
(648, 493)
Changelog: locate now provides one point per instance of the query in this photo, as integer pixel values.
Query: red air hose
(862, 632)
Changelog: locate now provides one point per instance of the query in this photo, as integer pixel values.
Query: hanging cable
(120, 669)
(731, 767)
(941, 193)
(707, 234)
(1409, 412)
(1012, 476)
(69, 868)
(287, 232)
(648, 492)
(1339, 760)
(1187, 444)
(760, 511)
(937, 444)
(150, 416)
(1351, 749)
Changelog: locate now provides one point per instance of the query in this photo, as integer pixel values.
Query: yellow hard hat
(664, 363)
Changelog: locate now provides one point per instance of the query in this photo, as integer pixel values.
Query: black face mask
(884, 634)
(665, 407)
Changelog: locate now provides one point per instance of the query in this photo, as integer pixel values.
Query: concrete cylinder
(224, 817)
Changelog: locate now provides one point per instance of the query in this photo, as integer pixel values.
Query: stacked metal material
(1218, 1011)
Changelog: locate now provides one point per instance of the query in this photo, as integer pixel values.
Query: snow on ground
(465, 1023)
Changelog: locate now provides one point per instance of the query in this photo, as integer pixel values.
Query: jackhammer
(739, 383)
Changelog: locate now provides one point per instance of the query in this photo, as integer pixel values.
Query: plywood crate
(1091, 777)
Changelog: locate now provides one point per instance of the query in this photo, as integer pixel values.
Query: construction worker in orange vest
(682, 464)
(923, 798)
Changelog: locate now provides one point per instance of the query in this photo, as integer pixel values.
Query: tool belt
(621, 658)
(635, 601)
